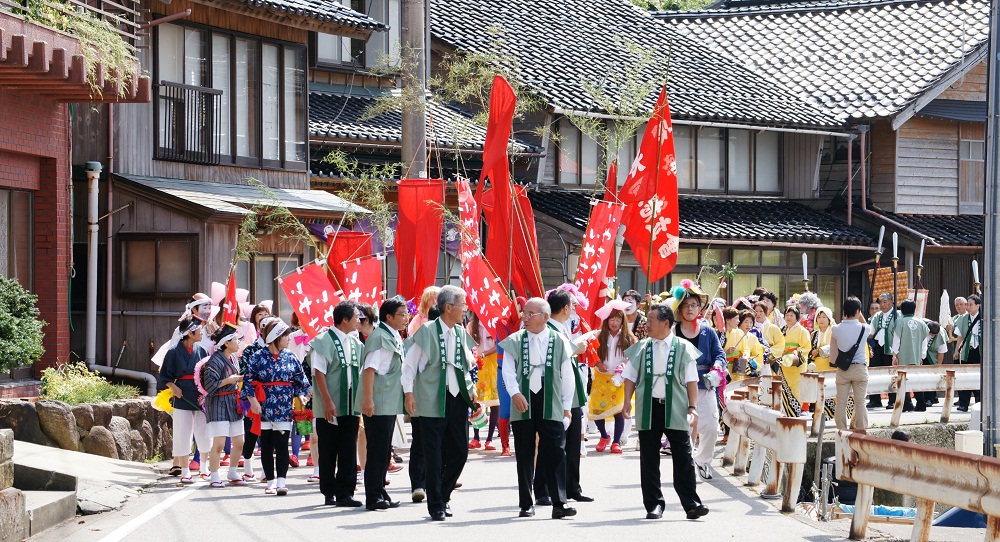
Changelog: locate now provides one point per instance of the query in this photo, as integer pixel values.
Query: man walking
(882, 329)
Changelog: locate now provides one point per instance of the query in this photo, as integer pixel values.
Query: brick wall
(35, 155)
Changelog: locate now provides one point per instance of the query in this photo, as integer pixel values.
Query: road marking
(133, 524)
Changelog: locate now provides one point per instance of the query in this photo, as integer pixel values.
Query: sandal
(174, 471)
(237, 482)
(186, 480)
(217, 485)
(282, 491)
(312, 478)
(249, 477)
(270, 491)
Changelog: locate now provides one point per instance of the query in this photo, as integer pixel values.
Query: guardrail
(932, 475)
(783, 437)
(816, 387)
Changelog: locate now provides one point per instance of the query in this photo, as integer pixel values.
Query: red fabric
(343, 246)
(610, 194)
(487, 297)
(517, 245)
(232, 315)
(418, 235)
(496, 165)
(261, 396)
(611, 186)
(312, 296)
(596, 256)
(186, 377)
(651, 220)
(361, 279)
(468, 215)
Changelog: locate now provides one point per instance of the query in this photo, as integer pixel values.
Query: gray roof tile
(321, 10)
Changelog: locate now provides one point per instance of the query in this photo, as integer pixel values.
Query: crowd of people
(658, 364)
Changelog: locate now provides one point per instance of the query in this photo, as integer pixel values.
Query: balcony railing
(122, 15)
(188, 123)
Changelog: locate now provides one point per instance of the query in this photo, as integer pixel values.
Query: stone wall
(128, 429)
(13, 511)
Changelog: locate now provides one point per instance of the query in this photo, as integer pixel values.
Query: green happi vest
(387, 392)
(883, 321)
(970, 326)
(580, 391)
(640, 356)
(912, 332)
(515, 350)
(338, 363)
(431, 385)
(932, 347)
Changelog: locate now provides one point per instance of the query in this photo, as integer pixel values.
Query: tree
(20, 327)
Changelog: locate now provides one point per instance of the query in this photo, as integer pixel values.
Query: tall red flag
(652, 221)
(468, 215)
(496, 165)
(343, 246)
(516, 254)
(361, 279)
(610, 194)
(232, 315)
(418, 235)
(311, 296)
(597, 253)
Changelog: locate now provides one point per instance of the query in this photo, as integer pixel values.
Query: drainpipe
(108, 251)
(93, 178)
(864, 197)
(850, 180)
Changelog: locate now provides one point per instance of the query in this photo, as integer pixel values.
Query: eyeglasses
(529, 315)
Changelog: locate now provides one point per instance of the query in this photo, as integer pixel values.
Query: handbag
(844, 359)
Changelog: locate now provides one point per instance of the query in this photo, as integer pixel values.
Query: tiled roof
(321, 10)
(722, 218)
(855, 59)
(562, 46)
(338, 116)
(954, 230)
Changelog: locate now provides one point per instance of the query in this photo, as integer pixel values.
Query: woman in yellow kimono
(797, 343)
(486, 387)
(819, 357)
(772, 334)
(607, 395)
(741, 346)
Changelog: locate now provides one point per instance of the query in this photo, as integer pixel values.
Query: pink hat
(613, 305)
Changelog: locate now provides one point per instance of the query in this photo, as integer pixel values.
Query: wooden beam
(40, 56)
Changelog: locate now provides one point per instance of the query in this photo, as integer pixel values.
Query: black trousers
(964, 396)
(249, 439)
(551, 463)
(274, 453)
(446, 448)
(416, 470)
(649, 464)
(338, 456)
(378, 429)
(572, 448)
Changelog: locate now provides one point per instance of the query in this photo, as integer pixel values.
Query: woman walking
(177, 374)
(219, 376)
(258, 317)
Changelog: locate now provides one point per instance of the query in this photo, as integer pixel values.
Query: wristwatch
(692, 408)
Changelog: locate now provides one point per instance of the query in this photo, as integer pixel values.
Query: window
(334, 51)
(579, 156)
(17, 236)
(159, 266)
(727, 160)
(971, 167)
(229, 98)
(259, 276)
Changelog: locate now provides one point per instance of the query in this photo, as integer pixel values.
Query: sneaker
(194, 465)
(705, 472)
(225, 461)
(293, 461)
(474, 444)
(309, 462)
(393, 467)
(418, 495)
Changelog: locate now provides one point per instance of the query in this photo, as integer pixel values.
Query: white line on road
(128, 528)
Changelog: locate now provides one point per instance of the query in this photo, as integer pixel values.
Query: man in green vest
(336, 369)
(958, 324)
(561, 302)
(662, 372)
(908, 340)
(969, 347)
(439, 393)
(382, 397)
(882, 330)
(538, 361)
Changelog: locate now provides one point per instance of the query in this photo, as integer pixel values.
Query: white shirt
(538, 346)
(845, 334)
(381, 359)
(661, 353)
(320, 363)
(416, 361)
(615, 358)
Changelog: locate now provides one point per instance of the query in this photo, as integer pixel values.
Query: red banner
(652, 221)
(343, 246)
(232, 314)
(486, 297)
(520, 238)
(418, 236)
(468, 215)
(312, 297)
(496, 165)
(362, 280)
(597, 254)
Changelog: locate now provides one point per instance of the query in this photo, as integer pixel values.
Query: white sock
(281, 482)
(215, 477)
(270, 484)
(248, 466)
(315, 471)
(185, 472)
(233, 473)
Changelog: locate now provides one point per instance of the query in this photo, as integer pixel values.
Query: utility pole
(413, 56)
(991, 331)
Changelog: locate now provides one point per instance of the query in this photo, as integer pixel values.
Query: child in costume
(607, 396)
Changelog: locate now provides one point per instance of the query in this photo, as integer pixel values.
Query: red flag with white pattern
(597, 254)
(468, 215)
(361, 279)
(312, 296)
(485, 295)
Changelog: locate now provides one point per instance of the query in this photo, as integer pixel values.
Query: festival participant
(809, 304)
(540, 363)
(908, 340)
(222, 413)
(774, 339)
(561, 303)
(850, 335)
(937, 347)
(258, 317)
(969, 347)
(744, 353)
(272, 378)
(662, 372)
(382, 398)
(486, 387)
(882, 329)
(607, 396)
(770, 301)
(336, 365)
(819, 356)
(177, 373)
(439, 393)
(427, 300)
(636, 320)
(793, 361)
(957, 320)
